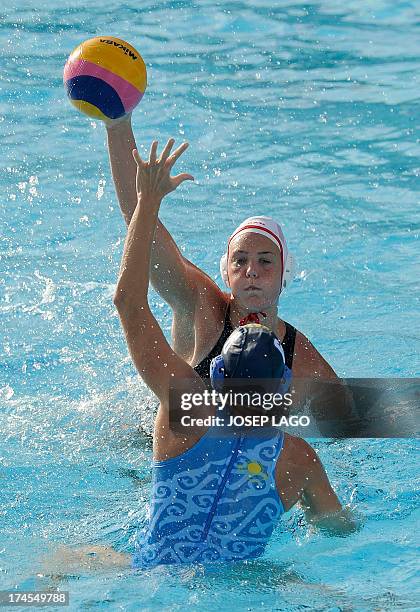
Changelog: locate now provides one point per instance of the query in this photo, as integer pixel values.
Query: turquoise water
(306, 111)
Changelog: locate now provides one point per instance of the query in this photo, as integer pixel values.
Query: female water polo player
(215, 497)
(256, 268)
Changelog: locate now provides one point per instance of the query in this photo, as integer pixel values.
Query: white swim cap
(265, 226)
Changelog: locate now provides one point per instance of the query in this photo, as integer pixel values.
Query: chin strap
(252, 318)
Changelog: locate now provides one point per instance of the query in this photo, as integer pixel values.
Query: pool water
(306, 111)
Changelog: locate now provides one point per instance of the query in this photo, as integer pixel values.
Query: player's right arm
(156, 362)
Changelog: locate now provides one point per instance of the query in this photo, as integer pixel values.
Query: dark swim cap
(253, 359)
(253, 351)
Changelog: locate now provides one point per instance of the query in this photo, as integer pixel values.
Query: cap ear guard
(223, 269)
(217, 372)
(289, 270)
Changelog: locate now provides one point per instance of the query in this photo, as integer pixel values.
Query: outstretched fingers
(155, 174)
(177, 153)
(180, 178)
(167, 150)
(153, 149)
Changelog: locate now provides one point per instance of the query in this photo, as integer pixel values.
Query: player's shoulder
(301, 343)
(308, 361)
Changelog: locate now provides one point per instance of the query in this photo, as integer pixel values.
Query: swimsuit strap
(227, 327)
(288, 344)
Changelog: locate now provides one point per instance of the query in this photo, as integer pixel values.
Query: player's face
(254, 271)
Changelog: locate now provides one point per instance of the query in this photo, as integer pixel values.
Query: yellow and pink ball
(105, 77)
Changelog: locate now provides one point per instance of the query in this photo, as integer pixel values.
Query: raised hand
(153, 178)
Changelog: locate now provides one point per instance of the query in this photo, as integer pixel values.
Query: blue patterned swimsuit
(218, 501)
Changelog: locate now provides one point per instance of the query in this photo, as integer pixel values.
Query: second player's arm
(171, 274)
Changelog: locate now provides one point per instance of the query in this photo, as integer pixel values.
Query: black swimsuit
(288, 344)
